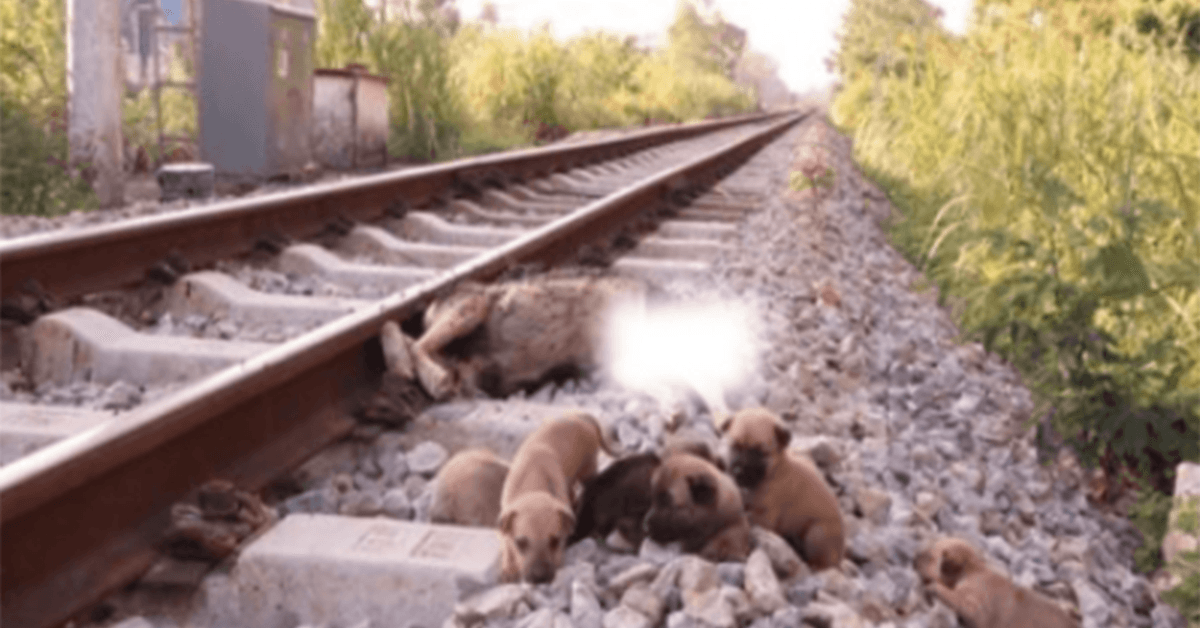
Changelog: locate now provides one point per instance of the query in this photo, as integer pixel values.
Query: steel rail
(72, 263)
(81, 518)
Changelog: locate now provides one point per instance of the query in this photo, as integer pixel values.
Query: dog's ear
(505, 521)
(702, 489)
(783, 435)
(568, 518)
(955, 560)
(722, 421)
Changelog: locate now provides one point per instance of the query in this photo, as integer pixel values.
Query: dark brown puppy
(694, 502)
(467, 489)
(958, 576)
(617, 499)
(536, 503)
(787, 493)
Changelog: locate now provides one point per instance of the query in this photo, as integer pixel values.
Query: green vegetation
(463, 89)
(33, 142)
(1047, 169)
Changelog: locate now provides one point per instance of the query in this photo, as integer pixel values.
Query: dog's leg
(463, 316)
(396, 350)
(820, 547)
(969, 607)
(459, 320)
(510, 569)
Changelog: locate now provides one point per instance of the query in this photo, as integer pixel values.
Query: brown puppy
(696, 503)
(536, 514)
(959, 577)
(787, 493)
(467, 489)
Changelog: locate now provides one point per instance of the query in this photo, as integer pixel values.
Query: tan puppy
(959, 577)
(787, 493)
(536, 514)
(694, 502)
(467, 489)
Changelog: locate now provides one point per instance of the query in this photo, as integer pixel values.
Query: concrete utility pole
(94, 84)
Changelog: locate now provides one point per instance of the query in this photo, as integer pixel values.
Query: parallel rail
(81, 518)
(69, 264)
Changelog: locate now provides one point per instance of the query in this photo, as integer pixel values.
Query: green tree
(34, 178)
(709, 45)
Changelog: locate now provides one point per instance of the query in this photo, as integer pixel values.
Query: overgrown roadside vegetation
(464, 88)
(1046, 169)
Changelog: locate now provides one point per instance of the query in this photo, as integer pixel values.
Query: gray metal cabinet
(256, 88)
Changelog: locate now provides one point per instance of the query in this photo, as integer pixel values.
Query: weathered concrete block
(330, 570)
(185, 180)
(85, 344)
(314, 260)
(221, 296)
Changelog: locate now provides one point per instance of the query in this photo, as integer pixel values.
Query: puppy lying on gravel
(696, 503)
(787, 494)
(536, 503)
(620, 496)
(617, 499)
(467, 489)
(508, 336)
(958, 576)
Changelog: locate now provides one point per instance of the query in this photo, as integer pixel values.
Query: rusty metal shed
(256, 87)
(350, 118)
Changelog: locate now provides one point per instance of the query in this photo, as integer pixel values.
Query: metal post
(95, 82)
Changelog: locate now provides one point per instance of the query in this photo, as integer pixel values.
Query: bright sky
(798, 34)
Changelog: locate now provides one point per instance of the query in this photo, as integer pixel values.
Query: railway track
(284, 366)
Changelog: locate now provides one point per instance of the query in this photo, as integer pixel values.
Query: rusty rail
(70, 264)
(80, 518)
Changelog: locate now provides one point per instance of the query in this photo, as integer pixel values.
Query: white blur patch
(710, 348)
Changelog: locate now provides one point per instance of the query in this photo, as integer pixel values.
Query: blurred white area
(667, 351)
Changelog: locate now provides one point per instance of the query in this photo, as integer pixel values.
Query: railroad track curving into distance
(427, 229)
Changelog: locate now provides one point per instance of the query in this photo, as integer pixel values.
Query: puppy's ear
(568, 518)
(505, 521)
(783, 435)
(954, 562)
(703, 490)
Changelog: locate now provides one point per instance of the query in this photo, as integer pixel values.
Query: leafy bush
(33, 168)
(34, 178)
(1047, 170)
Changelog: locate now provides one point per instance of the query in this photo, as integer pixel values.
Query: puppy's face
(946, 561)
(756, 440)
(690, 504)
(535, 529)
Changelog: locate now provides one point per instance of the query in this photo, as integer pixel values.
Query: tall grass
(1047, 169)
